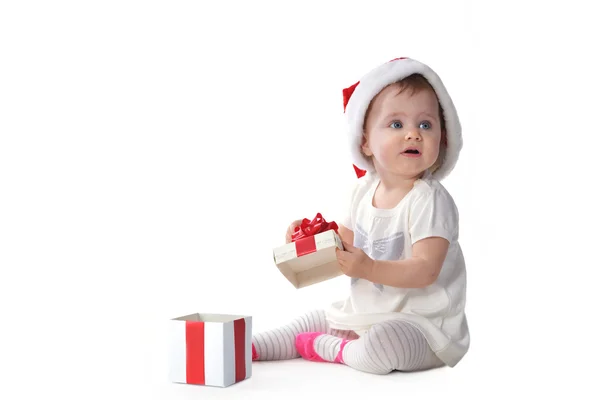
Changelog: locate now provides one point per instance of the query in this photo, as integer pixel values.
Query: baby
(406, 306)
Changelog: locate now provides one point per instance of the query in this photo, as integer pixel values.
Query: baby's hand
(290, 231)
(354, 262)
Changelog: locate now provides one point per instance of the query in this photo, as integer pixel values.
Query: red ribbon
(310, 228)
(195, 352)
(194, 337)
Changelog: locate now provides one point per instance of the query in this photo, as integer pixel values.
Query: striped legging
(385, 347)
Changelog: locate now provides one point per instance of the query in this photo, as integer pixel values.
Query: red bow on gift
(311, 228)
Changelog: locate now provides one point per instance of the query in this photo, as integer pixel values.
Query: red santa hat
(358, 97)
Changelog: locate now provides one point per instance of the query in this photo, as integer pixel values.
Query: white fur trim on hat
(358, 97)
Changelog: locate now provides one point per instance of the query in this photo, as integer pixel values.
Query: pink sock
(339, 358)
(306, 348)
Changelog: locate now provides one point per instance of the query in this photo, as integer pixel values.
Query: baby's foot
(319, 347)
(305, 346)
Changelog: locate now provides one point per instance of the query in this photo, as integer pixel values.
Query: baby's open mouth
(411, 151)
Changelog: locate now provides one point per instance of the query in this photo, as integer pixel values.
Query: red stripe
(239, 333)
(194, 338)
(305, 246)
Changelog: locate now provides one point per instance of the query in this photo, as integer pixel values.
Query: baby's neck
(392, 182)
(392, 189)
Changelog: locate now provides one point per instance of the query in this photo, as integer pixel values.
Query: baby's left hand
(354, 262)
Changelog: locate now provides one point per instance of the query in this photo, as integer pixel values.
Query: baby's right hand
(290, 231)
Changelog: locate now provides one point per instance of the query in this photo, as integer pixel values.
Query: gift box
(310, 258)
(210, 349)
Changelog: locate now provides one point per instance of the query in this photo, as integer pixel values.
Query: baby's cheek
(389, 154)
(391, 146)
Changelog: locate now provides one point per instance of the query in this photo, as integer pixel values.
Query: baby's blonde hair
(416, 83)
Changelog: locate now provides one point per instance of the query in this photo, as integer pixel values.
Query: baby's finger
(349, 255)
(348, 247)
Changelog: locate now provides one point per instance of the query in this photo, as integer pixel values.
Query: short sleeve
(347, 215)
(433, 214)
(352, 197)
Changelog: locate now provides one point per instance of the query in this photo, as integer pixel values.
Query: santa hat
(358, 97)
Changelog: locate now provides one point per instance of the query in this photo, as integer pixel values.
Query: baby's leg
(279, 343)
(387, 346)
(390, 345)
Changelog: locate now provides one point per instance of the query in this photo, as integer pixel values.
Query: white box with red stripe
(210, 349)
(309, 260)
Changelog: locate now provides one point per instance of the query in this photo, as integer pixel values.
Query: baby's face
(401, 122)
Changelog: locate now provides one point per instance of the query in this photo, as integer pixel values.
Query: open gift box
(210, 349)
(310, 258)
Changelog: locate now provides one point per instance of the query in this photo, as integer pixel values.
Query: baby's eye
(425, 125)
(396, 125)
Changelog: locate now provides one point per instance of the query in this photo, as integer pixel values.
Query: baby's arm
(418, 271)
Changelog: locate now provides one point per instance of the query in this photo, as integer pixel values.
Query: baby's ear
(365, 146)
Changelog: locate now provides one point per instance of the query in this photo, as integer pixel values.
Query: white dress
(437, 310)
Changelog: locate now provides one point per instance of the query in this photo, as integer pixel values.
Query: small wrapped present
(310, 257)
(210, 349)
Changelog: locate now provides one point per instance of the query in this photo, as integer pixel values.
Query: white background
(152, 153)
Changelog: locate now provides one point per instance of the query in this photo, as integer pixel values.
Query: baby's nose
(411, 134)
